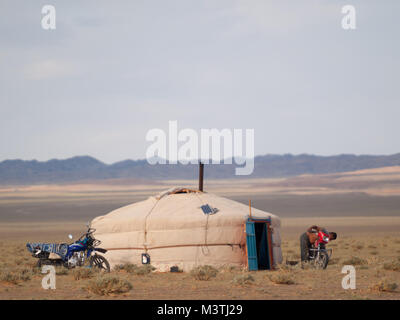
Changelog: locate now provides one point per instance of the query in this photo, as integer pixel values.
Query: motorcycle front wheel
(322, 261)
(99, 262)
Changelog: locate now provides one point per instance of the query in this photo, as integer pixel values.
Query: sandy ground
(362, 207)
(375, 241)
(375, 253)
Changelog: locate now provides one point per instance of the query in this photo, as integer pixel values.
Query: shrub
(384, 286)
(9, 277)
(83, 273)
(16, 276)
(232, 268)
(282, 278)
(243, 279)
(24, 274)
(145, 269)
(393, 266)
(61, 271)
(355, 261)
(106, 285)
(128, 267)
(307, 265)
(18, 262)
(118, 267)
(373, 260)
(288, 263)
(287, 266)
(134, 269)
(204, 272)
(334, 261)
(36, 270)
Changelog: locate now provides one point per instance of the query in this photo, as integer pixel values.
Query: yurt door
(258, 240)
(251, 246)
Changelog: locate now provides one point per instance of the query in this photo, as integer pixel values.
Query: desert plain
(363, 207)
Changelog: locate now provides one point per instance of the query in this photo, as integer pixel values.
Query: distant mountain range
(267, 166)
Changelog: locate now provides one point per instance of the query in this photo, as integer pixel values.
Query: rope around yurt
(145, 226)
(205, 230)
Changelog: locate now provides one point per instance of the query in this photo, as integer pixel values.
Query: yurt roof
(178, 208)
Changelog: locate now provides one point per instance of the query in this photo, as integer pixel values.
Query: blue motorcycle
(79, 253)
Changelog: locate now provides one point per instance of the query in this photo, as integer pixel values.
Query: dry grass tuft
(9, 277)
(243, 279)
(355, 261)
(384, 286)
(83, 273)
(134, 269)
(334, 261)
(204, 272)
(108, 284)
(16, 276)
(282, 278)
(145, 269)
(393, 266)
(233, 268)
(230, 269)
(61, 271)
(18, 262)
(24, 274)
(307, 265)
(128, 267)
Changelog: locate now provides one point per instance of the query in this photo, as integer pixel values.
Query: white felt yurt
(176, 228)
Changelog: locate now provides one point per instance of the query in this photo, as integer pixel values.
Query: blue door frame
(251, 244)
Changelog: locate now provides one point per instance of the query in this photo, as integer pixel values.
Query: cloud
(282, 16)
(50, 69)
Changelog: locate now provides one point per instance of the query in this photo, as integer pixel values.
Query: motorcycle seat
(60, 249)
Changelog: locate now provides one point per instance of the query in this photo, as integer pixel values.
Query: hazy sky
(112, 70)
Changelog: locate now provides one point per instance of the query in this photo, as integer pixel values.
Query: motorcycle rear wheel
(99, 262)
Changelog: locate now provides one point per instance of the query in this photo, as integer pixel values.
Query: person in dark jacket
(307, 239)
